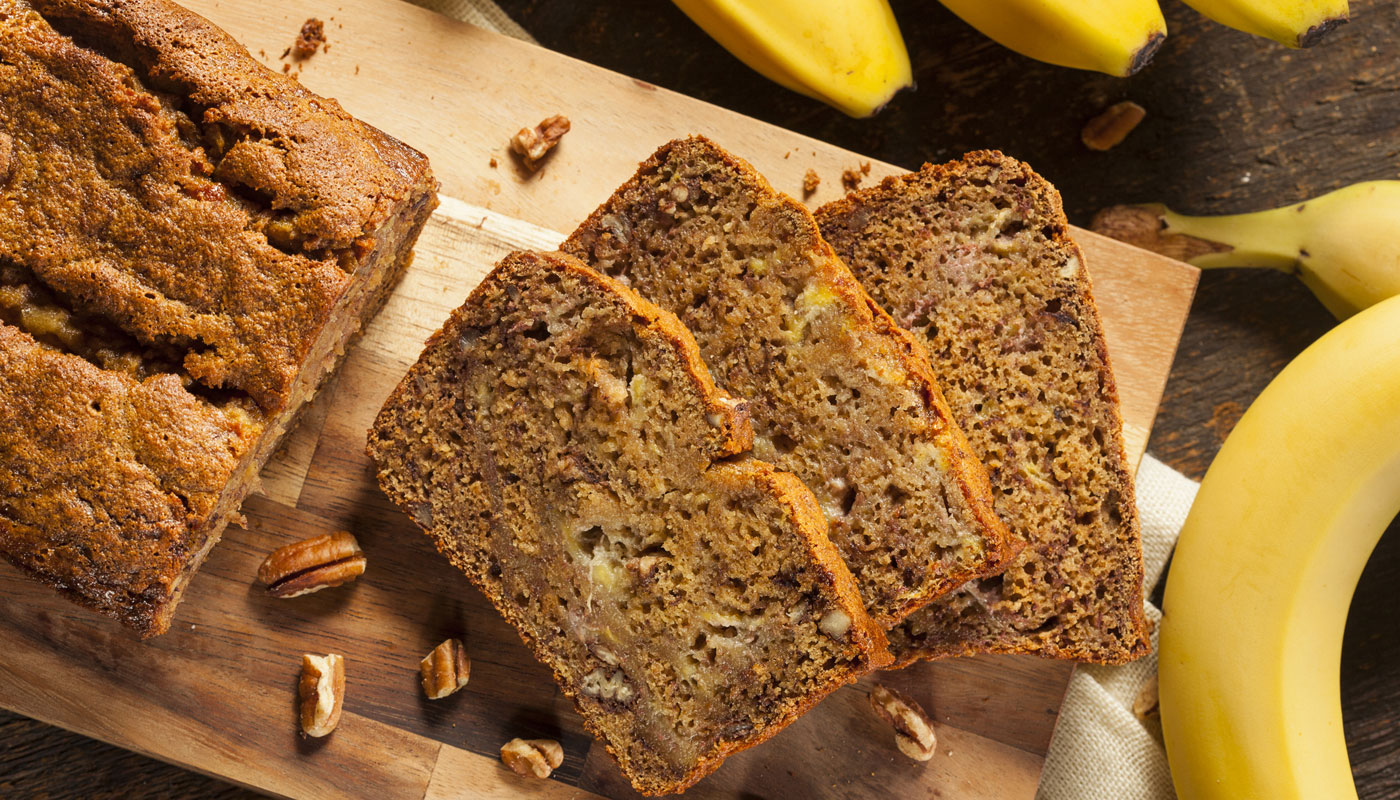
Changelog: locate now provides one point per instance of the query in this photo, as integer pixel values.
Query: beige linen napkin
(1101, 750)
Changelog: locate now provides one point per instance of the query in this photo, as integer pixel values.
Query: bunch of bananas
(850, 54)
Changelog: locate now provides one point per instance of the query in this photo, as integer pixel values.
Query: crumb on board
(810, 182)
(311, 37)
(493, 162)
(852, 176)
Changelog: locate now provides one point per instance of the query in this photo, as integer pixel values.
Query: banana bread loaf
(562, 443)
(840, 395)
(187, 242)
(975, 257)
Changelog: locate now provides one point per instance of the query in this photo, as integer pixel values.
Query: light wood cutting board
(216, 694)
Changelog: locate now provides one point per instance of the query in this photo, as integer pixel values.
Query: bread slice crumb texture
(562, 443)
(839, 395)
(975, 258)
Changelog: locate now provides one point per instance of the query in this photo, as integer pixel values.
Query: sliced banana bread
(839, 394)
(975, 257)
(562, 443)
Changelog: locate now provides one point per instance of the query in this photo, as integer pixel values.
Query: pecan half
(532, 757)
(913, 733)
(533, 144)
(322, 692)
(312, 565)
(445, 670)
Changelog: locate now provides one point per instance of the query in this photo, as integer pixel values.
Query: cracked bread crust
(841, 396)
(187, 243)
(975, 257)
(562, 443)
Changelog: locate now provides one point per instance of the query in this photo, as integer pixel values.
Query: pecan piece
(445, 670)
(1112, 126)
(532, 757)
(913, 733)
(312, 565)
(322, 692)
(533, 144)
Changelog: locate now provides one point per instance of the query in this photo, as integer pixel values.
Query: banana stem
(1272, 239)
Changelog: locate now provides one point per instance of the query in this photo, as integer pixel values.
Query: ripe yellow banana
(1296, 23)
(1118, 37)
(1342, 245)
(1259, 588)
(846, 53)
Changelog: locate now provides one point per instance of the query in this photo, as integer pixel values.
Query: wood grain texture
(219, 687)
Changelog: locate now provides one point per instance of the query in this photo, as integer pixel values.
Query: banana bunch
(1342, 245)
(850, 54)
(846, 53)
(1119, 37)
(1259, 588)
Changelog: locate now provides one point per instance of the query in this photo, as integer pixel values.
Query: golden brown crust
(504, 302)
(184, 228)
(867, 228)
(880, 341)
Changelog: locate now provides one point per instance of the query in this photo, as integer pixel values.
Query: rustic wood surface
(1233, 123)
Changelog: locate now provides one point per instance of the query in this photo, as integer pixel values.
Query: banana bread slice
(561, 442)
(187, 242)
(840, 395)
(975, 257)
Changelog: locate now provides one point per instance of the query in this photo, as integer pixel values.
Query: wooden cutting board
(216, 694)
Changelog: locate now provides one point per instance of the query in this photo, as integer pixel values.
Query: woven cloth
(1101, 749)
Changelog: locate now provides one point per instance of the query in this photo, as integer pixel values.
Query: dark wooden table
(1234, 123)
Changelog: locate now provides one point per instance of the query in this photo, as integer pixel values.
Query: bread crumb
(533, 144)
(810, 182)
(852, 176)
(493, 162)
(1112, 125)
(312, 36)
(286, 68)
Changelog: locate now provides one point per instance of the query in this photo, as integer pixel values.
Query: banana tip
(1313, 35)
(1144, 54)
